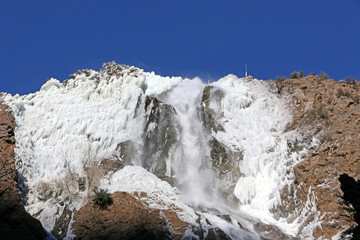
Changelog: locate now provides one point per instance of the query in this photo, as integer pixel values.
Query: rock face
(351, 189)
(130, 217)
(210, 94)
(149, 131)
(15, 222)
(224, 161)
(126, 218)
(161, 135)
(329, 111)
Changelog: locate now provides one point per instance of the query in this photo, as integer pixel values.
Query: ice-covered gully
(205, 151)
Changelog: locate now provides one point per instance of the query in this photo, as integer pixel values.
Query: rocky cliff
(15, 222)
(329, 111)
(240, 158)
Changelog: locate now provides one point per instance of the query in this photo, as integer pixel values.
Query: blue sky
(43, 39)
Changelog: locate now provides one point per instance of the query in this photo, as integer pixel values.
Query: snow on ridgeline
(63, 128)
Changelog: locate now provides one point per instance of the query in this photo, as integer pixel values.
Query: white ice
(62, 129)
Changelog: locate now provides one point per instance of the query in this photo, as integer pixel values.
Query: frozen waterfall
(237, 165)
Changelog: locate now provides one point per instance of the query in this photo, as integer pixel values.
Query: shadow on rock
(351, 189)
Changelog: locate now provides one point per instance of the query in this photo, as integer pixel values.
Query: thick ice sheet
(61, 130)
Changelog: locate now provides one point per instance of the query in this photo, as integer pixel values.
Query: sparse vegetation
(301, 74)
(326, 137)
(1, 98)
(280, 79)
(322, 111)
(317, 111)
(71, 184)
(313, 73)
(323, 76)
(94, 173)
(70, 181)
(102, 198)
(293, 75)
(341, 93)
(350, 80)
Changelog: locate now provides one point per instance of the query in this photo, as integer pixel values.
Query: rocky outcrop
(324, 109)
(131, 217)
(124, 152)
(15, 222)
(160, 135)
(207, 114)
(127, 218)
(219, 155)
(329, 111)
(224, 160)
(351, 190)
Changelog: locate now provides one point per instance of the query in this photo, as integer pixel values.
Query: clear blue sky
(43, 39)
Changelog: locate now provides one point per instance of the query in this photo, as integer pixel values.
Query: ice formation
(66, 128)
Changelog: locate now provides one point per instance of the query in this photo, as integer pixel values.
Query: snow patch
(160, 194)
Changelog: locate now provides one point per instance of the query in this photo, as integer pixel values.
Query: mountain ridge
(157, 121)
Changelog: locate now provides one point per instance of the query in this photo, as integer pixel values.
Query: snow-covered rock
(79, 134)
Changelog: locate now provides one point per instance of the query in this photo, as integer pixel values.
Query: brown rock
(128, 218)
(15, 222)
(319, 110)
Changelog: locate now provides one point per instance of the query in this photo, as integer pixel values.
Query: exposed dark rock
(62, 224)
(160, 134)
(82, 184)
(223, 159)
(65, 82)
(351, 190)
(270, 232)
(124, 153)
(170, 180)
(208, 114)
(16, 223)
(216, 233)
(152, 108)
(86, 72)
(219, 156)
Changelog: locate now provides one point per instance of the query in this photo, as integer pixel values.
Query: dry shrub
(93, 173)
(51, 189)
(71, 183)
(318, 111)
(323, 76)
(326, 137)
(341, 93)
(294, 75)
